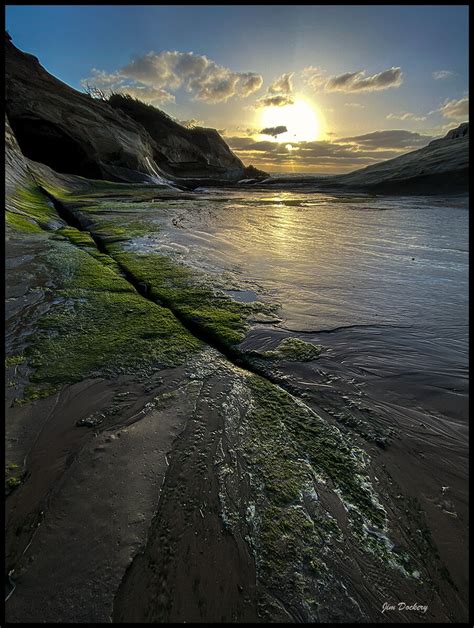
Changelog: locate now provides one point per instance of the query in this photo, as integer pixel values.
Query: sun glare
(303, 122)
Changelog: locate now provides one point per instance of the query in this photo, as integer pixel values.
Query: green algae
(13, 482)
(83, 239)
(292, 349)
(13, 476)
(99, 326)
(34, 204)
(21, 223)
(316, 441)
(286, 438)
(14, 360)
(180, 289)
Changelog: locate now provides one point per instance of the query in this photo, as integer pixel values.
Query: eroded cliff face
(76, 134)
(181, 151)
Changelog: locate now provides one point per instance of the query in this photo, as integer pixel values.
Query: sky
(320, 89)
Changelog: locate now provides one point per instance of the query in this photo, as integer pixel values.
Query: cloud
(250, 83)
(274, 130)
(337, 155)
(171, 70)
(394, 139)
(356, 105)
(405, 116)
(441, 75)
(274, 101)
(282, 85)
(314, 77)
(456, 109)
(279, 93)
(353, 81)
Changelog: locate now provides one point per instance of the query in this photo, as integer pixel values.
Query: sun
(303, 122)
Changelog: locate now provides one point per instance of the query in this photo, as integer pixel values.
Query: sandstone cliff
(123, 140)
(440, 167)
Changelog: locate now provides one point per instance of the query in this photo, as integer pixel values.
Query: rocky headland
(441, 167)
(117, 140)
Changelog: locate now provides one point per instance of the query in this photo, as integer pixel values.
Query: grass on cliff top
(99, 326)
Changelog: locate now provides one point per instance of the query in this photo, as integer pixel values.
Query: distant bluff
(441, 167)
(124, 140)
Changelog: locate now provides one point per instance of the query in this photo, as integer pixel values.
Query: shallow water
(394, 271)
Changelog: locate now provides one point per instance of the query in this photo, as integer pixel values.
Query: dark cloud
(274, 130)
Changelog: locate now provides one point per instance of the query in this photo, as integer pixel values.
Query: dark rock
(91, 421)
(182, 152)
(66, 130)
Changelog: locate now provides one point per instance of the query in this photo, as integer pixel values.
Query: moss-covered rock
(99, 325)
(293, 350)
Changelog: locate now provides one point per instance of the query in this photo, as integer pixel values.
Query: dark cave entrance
(45, 142)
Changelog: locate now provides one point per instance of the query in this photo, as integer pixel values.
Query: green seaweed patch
(187, 294)
(315, 440)
(83, 239)
(34, 204)
(84, 269)
(293, 350)
(131, 228)
(289, 530)
(99, 326)
(20, 223)
(14, 360)
(13, 476)
(80, 189)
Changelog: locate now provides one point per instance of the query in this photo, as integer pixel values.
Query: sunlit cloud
(160, 73)
(337, 155)
(405, 116)
(279, 92)
(456, 109)
(355, 105)
(394, 139)
(352, 81)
